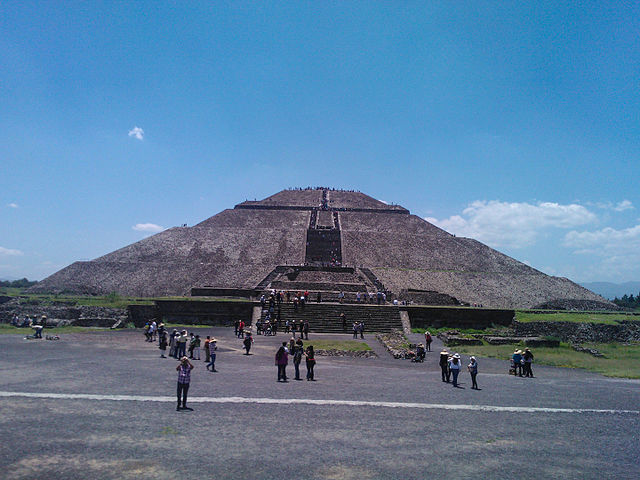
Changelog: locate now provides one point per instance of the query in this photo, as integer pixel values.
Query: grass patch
(6, 329)
(621, 360)
(345, 345)
(582, 317)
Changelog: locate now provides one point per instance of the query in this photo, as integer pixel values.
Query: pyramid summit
(319, 239)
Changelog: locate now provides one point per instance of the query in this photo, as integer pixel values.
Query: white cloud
(147, 227)
(605, 242)
(617, 252)
(624, 205)
(13, 205)
(137, 132)
(10, 252)
(503, 224)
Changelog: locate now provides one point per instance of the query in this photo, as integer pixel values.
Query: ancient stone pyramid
(324, 240)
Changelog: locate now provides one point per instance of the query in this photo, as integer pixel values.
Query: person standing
(207, 355)
(311, 362)
(282, 359)
(473, 371)
(213, 346)
(428, 340)
(241, 329)
(454, 367)
(184, 378)
(356, 326)
(528, 360)
(182, 344)
(305, 329)
(297, 359)
(196, 348)
(163, 343)
(517, 362)
(361, 328)
(444, 365)
(343, 317)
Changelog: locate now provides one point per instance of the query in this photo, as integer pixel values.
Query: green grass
(346, 345)
(582, 317)
(6, 329)
(621, 360)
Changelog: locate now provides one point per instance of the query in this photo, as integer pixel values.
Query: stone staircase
(325, 317)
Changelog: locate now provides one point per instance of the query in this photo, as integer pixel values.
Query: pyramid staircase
(325, 317)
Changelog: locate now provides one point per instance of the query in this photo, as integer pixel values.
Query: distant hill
(611, 290)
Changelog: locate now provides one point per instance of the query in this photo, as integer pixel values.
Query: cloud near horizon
(13, 205)
(10, 252)
(147, 227)
(137, 132)
(515, 225)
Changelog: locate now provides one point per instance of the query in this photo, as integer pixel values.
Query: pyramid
(325, 240)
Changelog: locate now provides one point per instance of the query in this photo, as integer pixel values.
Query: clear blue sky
(515, 124)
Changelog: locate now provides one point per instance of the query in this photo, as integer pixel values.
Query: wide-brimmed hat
(214, 339)
(517, 351)
(444, 352)
(456, 355)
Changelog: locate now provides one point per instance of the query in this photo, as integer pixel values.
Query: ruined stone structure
(319, 240)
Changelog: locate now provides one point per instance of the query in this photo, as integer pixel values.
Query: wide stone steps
(325, 317)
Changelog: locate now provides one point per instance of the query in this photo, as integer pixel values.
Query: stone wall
(205, 312)
(581, 332)
(477, 318)
(65, 315)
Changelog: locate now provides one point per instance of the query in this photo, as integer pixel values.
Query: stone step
(326, 317)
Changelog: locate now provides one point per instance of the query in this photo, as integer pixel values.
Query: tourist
(241, 329)
(287, 326)
(356, 326)
(517, 363)
(173, 344)
(444, 365)
(358, 297)
(182, 344)
(37, 331)
(163, 343)
(282, 359)
(428, 340)
(473, 371)
(311, 362)
(161, 330)
(196, 348)
(184, 378)
(343, 318)
(248, 340)
(341, 297)
(319, 297)
(528, 360)
(192, 345)
(236, 325)
(305, 329)
(454, 367)
(361, 329)
(297, 358)
(213, 346)
(207, 354)
(154, 331)
(292, 344)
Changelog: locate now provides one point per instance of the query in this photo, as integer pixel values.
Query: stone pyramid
(315, 238)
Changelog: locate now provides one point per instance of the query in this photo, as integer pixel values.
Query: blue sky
(515, 124)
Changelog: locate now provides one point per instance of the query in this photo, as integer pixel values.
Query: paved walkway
(100, 405)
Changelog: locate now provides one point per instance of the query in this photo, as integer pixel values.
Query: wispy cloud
(13, 205)
(624, 205)
(147, 227)
(504, 224)
(10, 252)
(137, 132)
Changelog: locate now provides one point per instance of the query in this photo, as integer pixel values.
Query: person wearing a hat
(517, 362)
(444, 365)
(454, 366)
(163, 343)
(528, 360)
(473, 371)
(184, 379)
(213, 346)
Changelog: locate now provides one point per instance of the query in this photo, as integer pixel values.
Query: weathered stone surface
(240, 247)
(62, 315)
(581, 332)
(396, 344)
